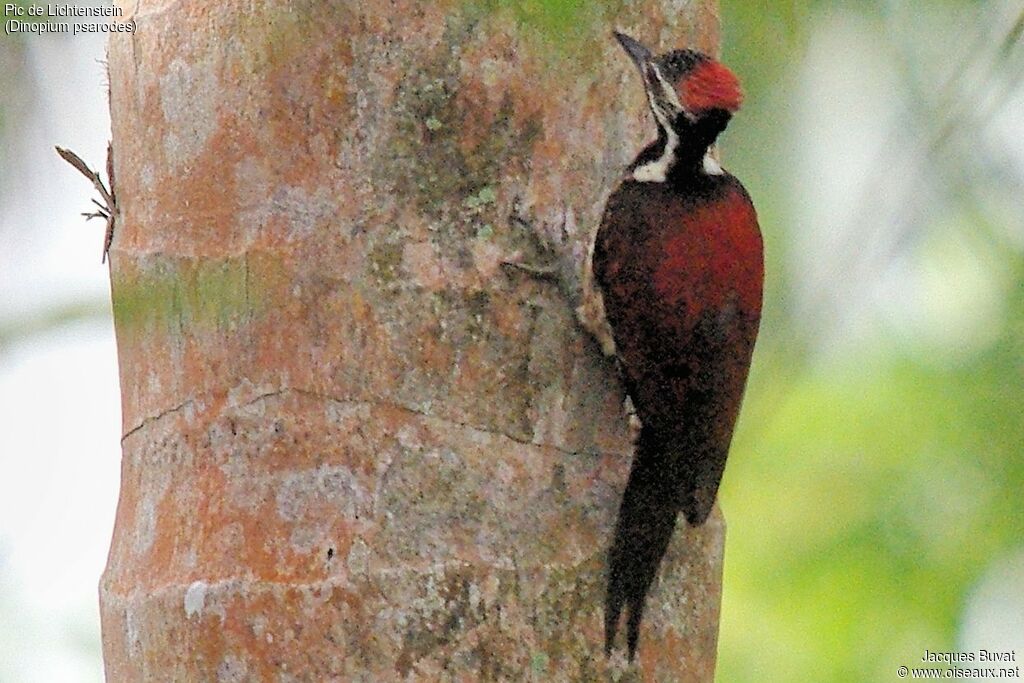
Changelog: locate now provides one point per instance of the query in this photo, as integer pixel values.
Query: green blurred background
(873, 495)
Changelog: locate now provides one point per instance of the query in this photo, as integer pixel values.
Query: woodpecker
(678, 266)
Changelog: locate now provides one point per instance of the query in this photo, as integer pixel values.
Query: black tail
(654, 495)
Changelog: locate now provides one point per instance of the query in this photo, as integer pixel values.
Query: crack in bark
(421, 413)
(156, 418)
(429, 568)
(334, 580)
(308, 393)
(245, 286)
(531, 331)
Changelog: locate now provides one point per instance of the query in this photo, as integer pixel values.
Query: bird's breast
(673, 259)
(704, 257)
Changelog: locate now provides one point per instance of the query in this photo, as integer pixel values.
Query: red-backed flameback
(678, 264)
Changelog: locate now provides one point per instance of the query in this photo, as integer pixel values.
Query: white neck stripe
(657, 171)
(710, 166)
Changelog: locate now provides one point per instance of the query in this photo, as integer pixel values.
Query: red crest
(710, 85)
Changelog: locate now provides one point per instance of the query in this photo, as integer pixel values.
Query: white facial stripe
(668, 91)
(656, 110)
(656, 171)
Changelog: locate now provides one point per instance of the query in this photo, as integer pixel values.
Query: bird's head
(685, 88)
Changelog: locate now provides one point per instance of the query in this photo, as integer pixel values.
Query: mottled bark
(357, 447)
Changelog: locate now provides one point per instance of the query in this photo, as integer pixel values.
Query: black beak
(637, 52)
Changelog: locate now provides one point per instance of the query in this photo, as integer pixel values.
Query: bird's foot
(591, 316)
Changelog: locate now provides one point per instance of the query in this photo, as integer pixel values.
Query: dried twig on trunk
(106, 210)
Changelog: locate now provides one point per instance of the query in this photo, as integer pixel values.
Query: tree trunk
(357, 446)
